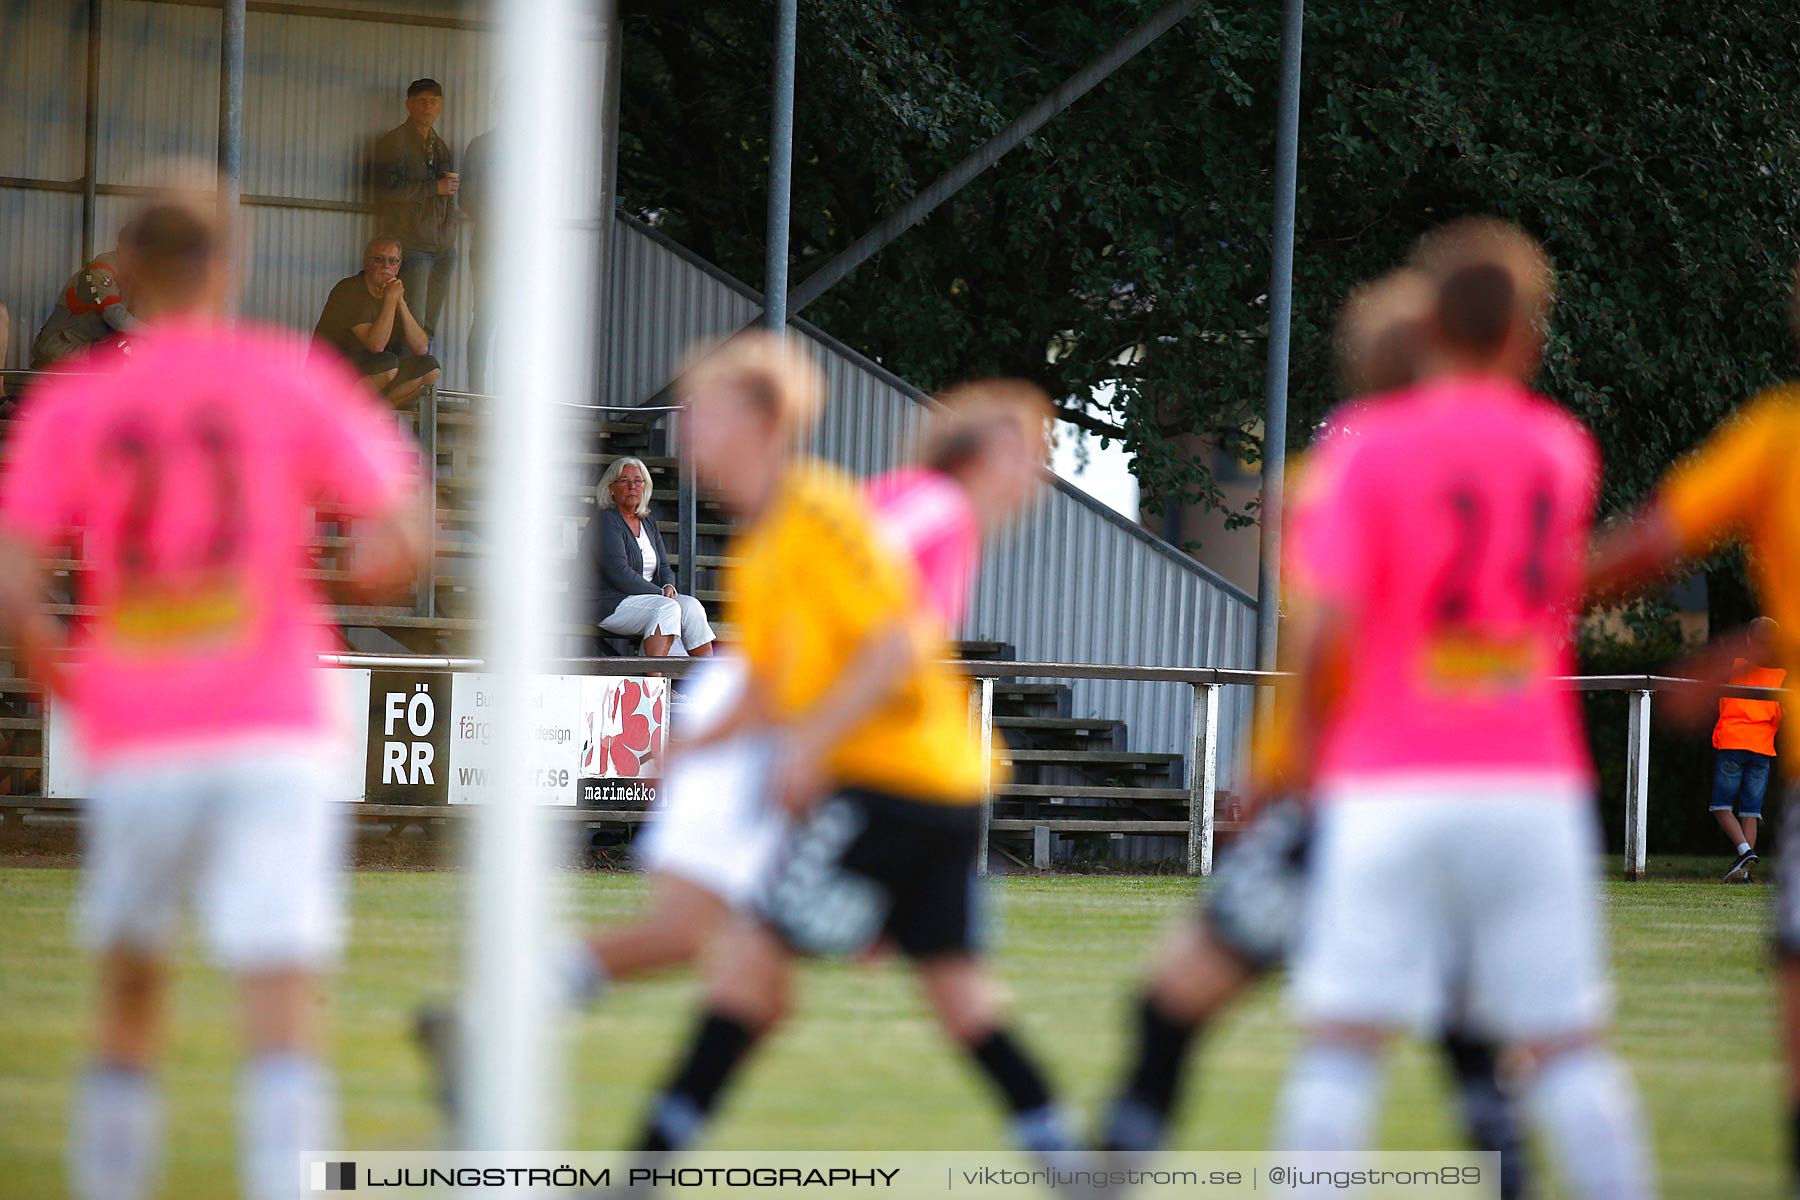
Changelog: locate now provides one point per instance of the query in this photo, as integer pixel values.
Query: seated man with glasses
(367, 320)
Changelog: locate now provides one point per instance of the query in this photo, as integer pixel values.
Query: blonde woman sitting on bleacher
(632, 583)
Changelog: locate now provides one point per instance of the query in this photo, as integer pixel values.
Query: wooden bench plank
(1019, 825)
(1086, 758)
(1067, 724)
(1095, 791)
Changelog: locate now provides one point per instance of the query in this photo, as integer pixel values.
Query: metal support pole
(1203, 778)
(781, 168)
(231, 101)
(611, 59)
(958, 177)
(1281, 311)
(90, 139)
(425, 601)
(946, 185)
(687, 511)
(1637, 782)
(984, 727)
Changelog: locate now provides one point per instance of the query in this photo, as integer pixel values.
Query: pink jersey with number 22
(1451, 534)
(189, 474)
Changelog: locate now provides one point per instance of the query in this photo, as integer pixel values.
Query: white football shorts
(1466, 899)
(245, 828)
(714, 826)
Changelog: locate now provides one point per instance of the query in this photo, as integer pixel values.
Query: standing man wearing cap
(415, 200)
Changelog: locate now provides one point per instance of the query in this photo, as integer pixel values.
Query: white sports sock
(577, 977)
(1329, 1100)
(1743, 847)
(285, 1109)
(1587, 1106)
(116, 1137)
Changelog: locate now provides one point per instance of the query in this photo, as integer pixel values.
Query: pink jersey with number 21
(188, 474)
(1451, 534)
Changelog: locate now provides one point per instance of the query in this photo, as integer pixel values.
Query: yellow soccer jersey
(811, 580)
(1744, 482)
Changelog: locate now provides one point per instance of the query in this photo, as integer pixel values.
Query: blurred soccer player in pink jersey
(1456, 841)
(187, 477)
(981, 465)
(1244, 930)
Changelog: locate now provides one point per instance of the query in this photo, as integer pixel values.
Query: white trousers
(651, 616)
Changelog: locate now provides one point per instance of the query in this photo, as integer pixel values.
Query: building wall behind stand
(318, 92)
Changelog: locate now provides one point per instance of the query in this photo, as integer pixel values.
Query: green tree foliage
(1653, 144)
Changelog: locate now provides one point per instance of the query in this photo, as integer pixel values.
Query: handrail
(985, 668)
(672, 665)
(1207, 683)
(650, 409)
(655, 410)
(1665, 683)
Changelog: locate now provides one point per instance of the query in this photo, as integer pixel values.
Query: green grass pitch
(861, 1066)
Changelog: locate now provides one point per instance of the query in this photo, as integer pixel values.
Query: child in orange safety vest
(1744, 739)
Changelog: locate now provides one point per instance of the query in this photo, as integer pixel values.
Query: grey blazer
(612, 566)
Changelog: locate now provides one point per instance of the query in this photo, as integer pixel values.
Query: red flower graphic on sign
(632, 719)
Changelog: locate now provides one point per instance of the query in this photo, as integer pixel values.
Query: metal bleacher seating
(1067, 771)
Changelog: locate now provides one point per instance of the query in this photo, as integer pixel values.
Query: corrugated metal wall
(663, 302)
(318, 92)
(43, 57)
(1075, 583)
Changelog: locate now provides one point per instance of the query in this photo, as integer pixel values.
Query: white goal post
(546, 229)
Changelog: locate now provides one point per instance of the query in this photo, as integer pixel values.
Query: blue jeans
(427, 278)
(1740, 779)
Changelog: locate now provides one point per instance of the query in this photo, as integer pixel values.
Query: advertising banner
(549, 771)
(624, 724)
(426, 738)
(409, 737)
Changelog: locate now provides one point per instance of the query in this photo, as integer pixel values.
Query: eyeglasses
(374, 259)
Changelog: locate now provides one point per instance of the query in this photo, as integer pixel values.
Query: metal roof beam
(956, 178)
